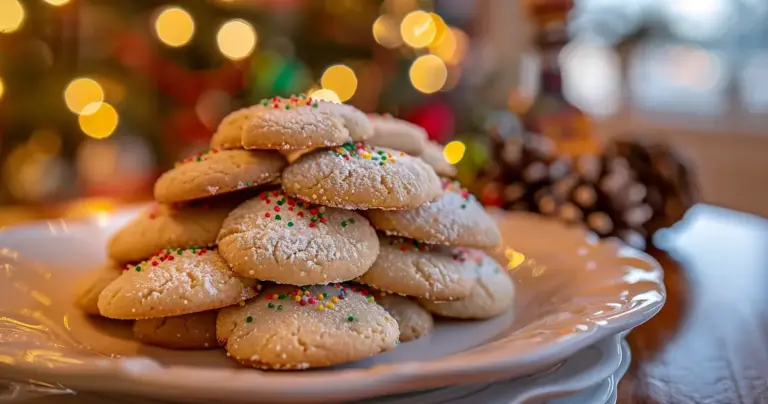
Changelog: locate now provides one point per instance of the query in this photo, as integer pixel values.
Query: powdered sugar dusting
(272, 238)
(328, 178)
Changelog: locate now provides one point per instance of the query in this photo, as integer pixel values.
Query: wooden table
(709, 344)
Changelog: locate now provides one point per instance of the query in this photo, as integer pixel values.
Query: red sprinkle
(154, 263)
(277, 209)
(311, 300)
(300, 214)
(303, 302)
(267, 214)
(323, 220)
(312, 224)
(403, 247)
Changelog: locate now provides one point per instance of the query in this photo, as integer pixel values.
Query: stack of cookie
(305, 241)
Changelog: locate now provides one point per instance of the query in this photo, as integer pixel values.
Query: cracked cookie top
(492, 294)
(279, 238)
(172, 283)
(165, 226)
(410, 268)
(360, 176)
(455, 218)
(295, 122)
(217, 172)
(298, 328)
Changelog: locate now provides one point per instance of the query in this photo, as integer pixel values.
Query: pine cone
(629, 191)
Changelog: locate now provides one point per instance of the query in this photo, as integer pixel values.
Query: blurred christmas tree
(97, 97)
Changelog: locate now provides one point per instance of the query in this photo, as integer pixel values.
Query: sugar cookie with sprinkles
(172, 283)
(412, 319)
(407, 267)
(360, 176)
(296, 122)
(397, 134)
(217, 172)
(288, 328)
(456, 218)
(492, 295)
(189, 331)
(433, 155)
(278, 238)
(88, 289)
(166, 226)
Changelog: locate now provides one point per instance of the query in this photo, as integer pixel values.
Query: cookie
(492, 295)
(217, 172)
(190, 331)
(165, 226)
(410, 268)
(285, 240)
(297, 122)
(298, 328)
(173, 283)
(412, 319)
(229, 134)
(433, 155)
(455, 218)
(359, 176)
(88, 289)
(397, 134)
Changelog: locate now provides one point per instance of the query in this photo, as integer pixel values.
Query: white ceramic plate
(572, 291)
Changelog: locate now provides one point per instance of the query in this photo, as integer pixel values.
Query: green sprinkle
(270, 305)
(280, 307)
(384, 158)
(138, 268)
(351, 318)
(325, 295)
(249, 319)
(179, 251)
(348, 147)
(265, 103)
(281, 296)
(343, 224)
(278, 217)
(315, 218)
(314, 105)
(381, 153)
(287, 107)
(381, 164)
(197, 159)
(352, 220)
(463, 206)
(249, 183)
(290, 224)
(281, 201)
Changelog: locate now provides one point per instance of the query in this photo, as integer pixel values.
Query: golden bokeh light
(57, 2)
(451, 47)
(418, 29)
(515, 258)
(428, 74)
(83, 95)
(454, 151)
(236, 39)
(11, 16)
(325, 95)
(341, 80)
(2, 88)
(386, 32)
(174, 26)
(440, 27)
(101, 123)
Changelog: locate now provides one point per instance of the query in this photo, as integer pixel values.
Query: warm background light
(386, 32)
(236, 39)
(57, 2)
(341, 79)
(326, 95)
(453, 152)
(428, 74)
(2, 88)
(418, 29)
(451, 46)
(82, 95)
(101, 123)
(174, 26)
(11, 15)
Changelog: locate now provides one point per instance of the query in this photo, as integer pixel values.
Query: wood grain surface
(709, 344)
